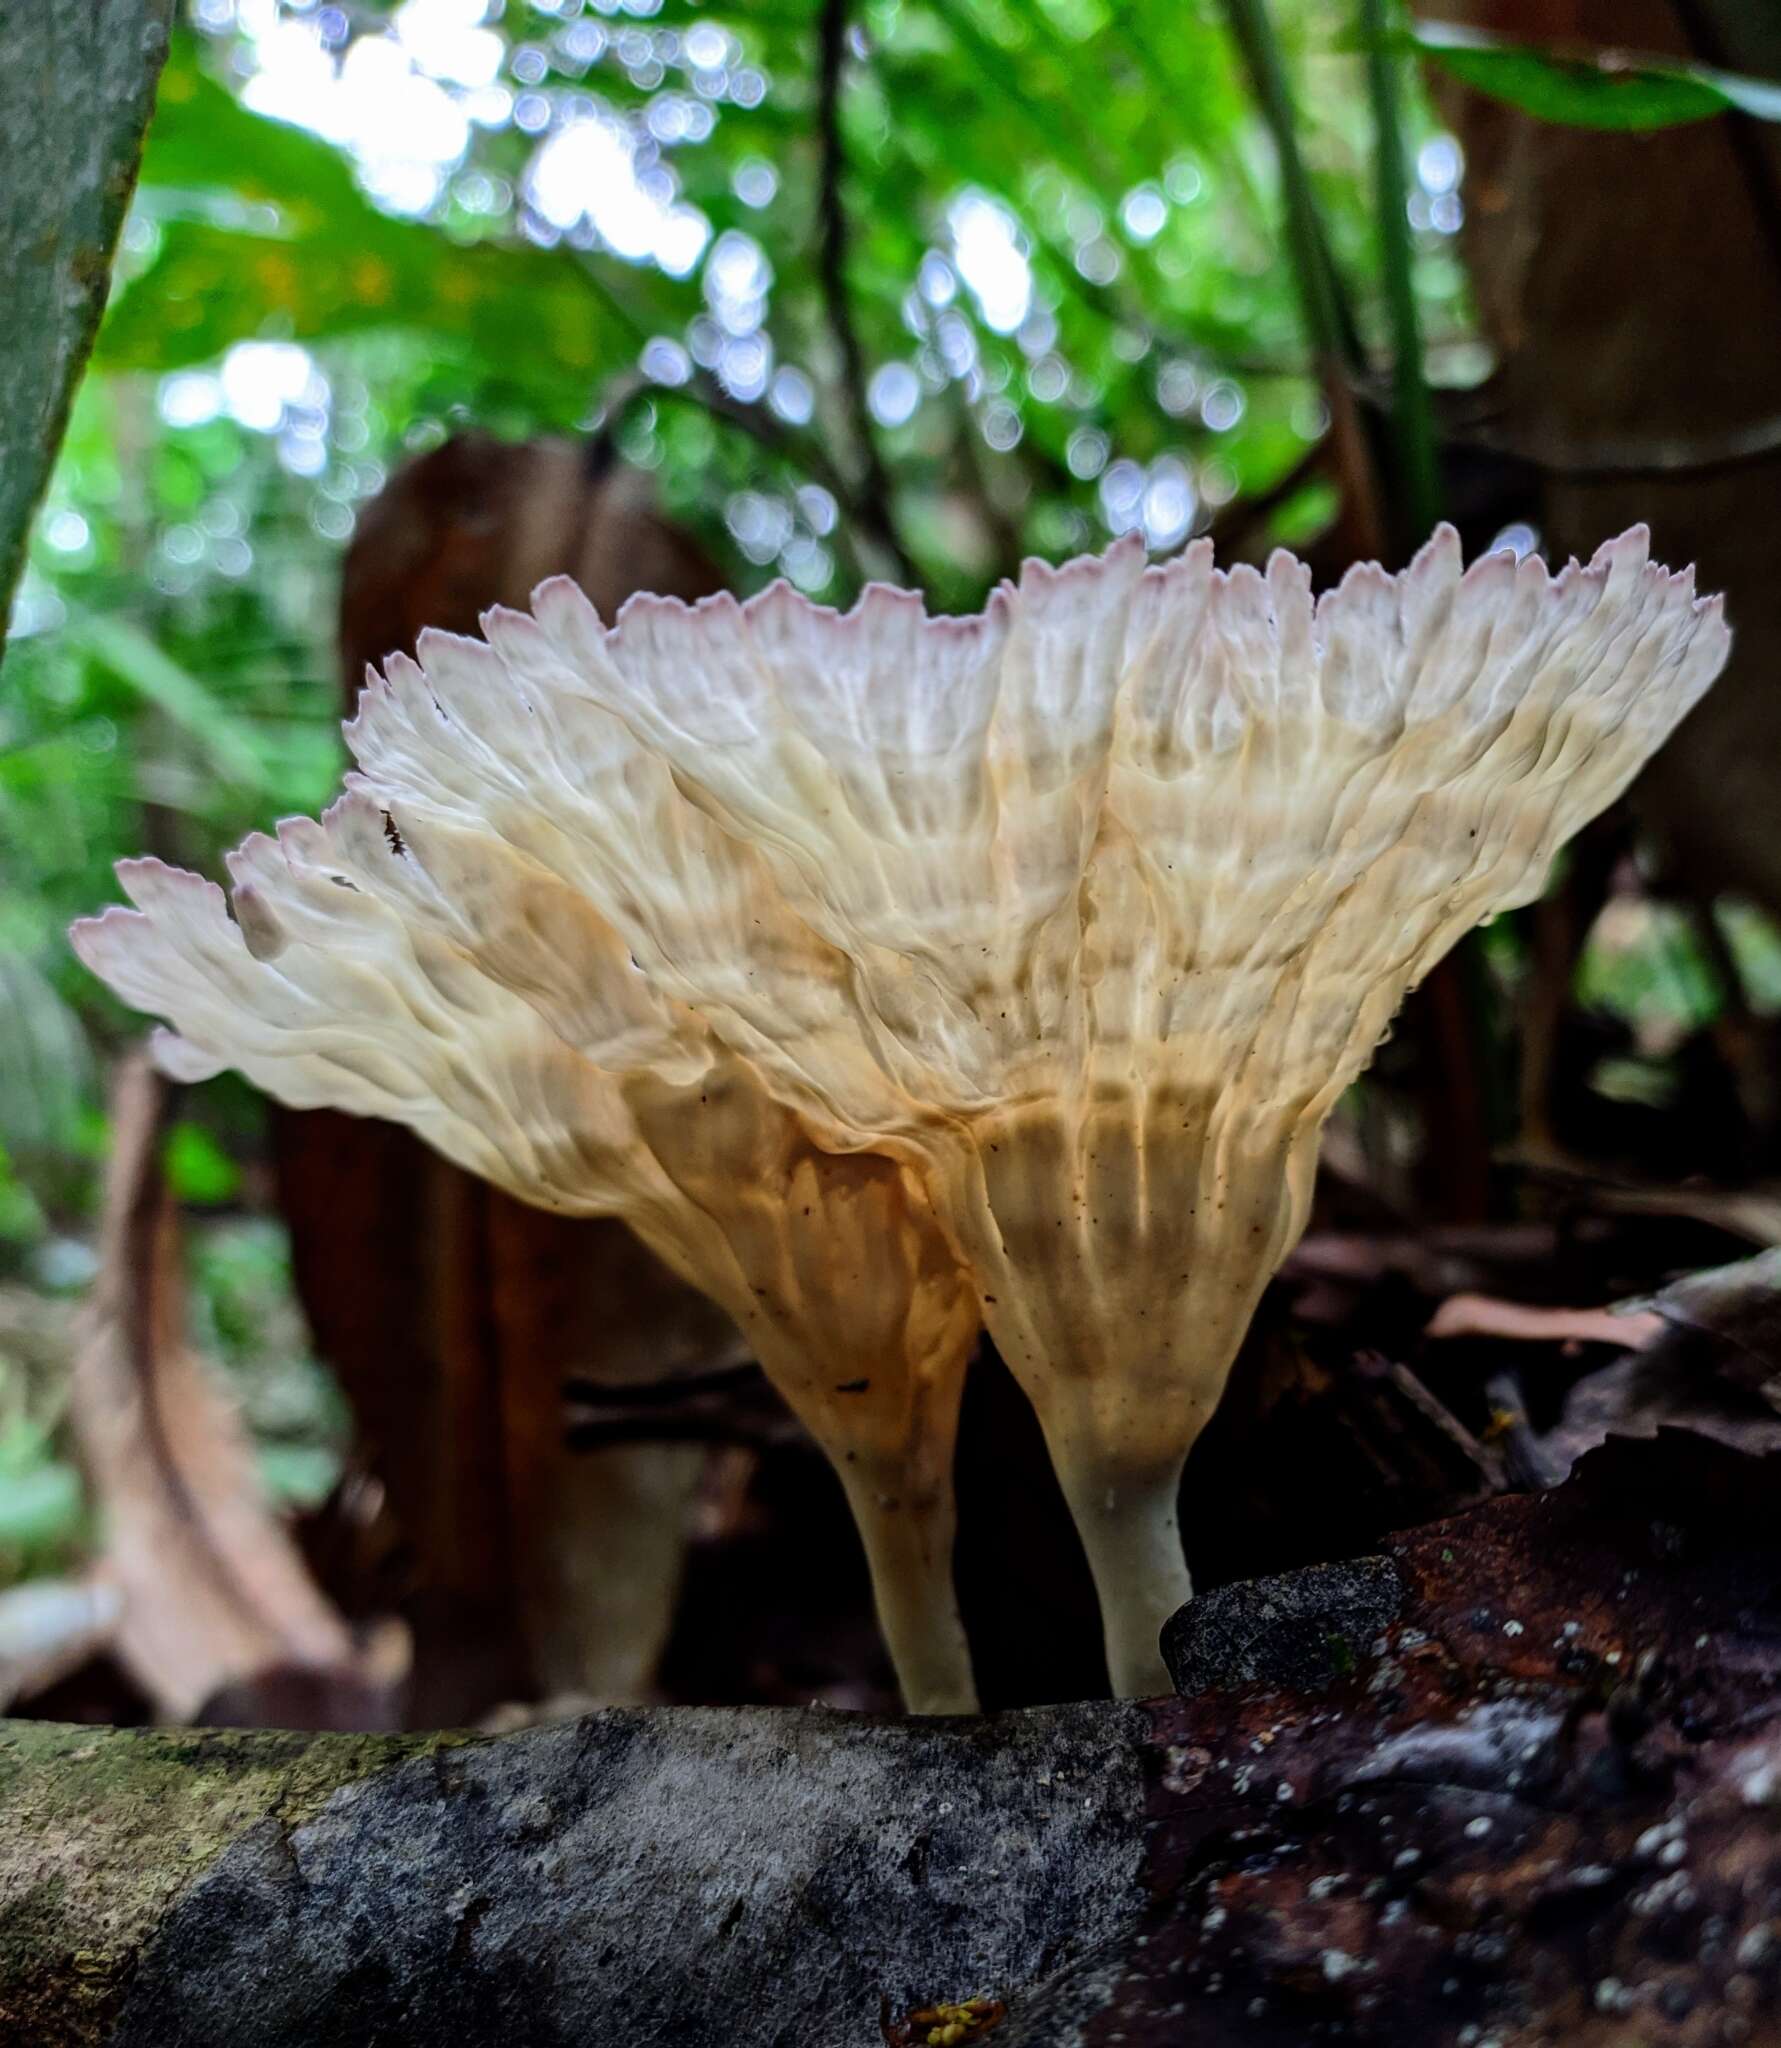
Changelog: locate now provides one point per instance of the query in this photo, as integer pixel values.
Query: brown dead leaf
(213, 1590)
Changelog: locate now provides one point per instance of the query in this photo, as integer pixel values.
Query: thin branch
(1232, 528)
(1329, 321)
(1004, 527)
(1413, 419)
(874, 507)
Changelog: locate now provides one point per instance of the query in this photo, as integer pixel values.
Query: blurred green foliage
(244, 1319)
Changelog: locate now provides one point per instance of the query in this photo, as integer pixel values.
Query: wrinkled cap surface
(418, 968)
(1134, 821)
(329, 992)
(504, 743)
(1131, 827)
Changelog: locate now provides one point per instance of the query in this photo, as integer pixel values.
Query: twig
(1118, 308)
(1230, 529)
(874, 507)
(1413, 419)
(704, 391)
(1328, 318)
(1341, 362)
(1003, 527)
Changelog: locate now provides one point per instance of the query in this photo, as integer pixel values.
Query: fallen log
(1515, 1778)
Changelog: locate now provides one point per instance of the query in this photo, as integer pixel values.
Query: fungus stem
(1127, 1519)
(908, 1539)
(890, 1439)
(1121, 1251)
(859, 1314)
(889, 1430)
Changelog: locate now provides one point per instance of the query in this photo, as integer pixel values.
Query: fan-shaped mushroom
(1129, 875)
(1086, 909)
(390, 975)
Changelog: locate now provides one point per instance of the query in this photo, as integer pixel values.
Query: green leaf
(1599, 89)
(333, 264)
(198, 1170)
(203, 140)
(45, 1067)
(22, 1221)
(529, 310)
(298, 1475)
(133, 658)
(38, 1505)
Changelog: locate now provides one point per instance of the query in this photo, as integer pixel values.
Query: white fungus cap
(1114, 888)
(323, 994)
(1134, 814)
(504, 741)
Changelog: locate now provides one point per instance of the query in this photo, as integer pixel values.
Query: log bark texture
(1515, 1778)
(77, 82)
(687, 1876)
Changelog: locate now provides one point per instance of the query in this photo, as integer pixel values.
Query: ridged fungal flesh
(1129, 875)
(431, 980)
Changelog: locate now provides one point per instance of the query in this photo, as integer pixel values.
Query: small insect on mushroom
(400, 967)
(1127, 877)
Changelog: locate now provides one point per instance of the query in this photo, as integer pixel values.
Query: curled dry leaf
(211, 1588)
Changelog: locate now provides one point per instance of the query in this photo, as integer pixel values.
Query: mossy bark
(1532, 1724)
(102, 1829)
(692, 1876)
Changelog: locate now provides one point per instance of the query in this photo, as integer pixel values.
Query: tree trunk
(77, 81)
